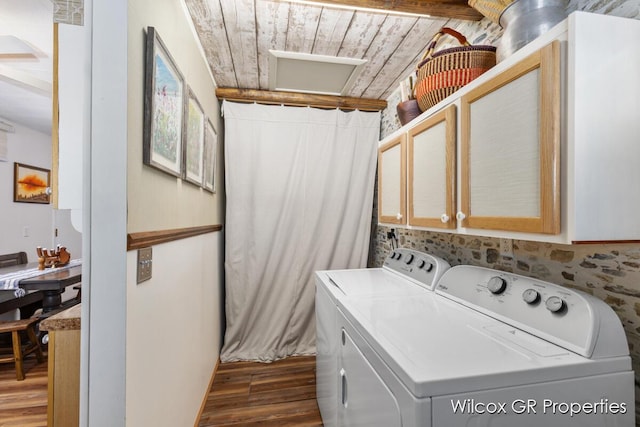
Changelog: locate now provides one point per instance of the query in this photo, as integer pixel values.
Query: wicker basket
(492, 9)
(442, 73)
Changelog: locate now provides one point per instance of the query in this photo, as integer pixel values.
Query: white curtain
(299, 189)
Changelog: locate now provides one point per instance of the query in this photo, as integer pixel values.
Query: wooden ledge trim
(150, 238)
(296, 99)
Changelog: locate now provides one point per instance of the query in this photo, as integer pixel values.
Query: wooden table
(49, 286)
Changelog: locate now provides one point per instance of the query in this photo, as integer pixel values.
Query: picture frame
(194, 140)
(209, 157)
(163, 108)
(31, 184)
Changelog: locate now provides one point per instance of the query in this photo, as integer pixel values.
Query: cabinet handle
(460, 216)
(343, 377)
(444, 218)
(398, 216)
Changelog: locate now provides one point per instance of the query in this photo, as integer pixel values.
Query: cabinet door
(432, 160)
(510, 148)
(392, 177)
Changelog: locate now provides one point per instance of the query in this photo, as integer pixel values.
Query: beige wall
(173, 321)
(156, 200)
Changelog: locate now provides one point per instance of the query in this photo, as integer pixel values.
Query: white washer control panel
(544, 309)
(425, 269)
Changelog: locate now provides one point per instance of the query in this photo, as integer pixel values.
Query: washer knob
(398, 255)
(531, 296)
(555, 304)
(497, 285)
(409, 259)
(427, 266)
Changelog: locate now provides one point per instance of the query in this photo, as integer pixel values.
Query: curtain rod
(300, 99)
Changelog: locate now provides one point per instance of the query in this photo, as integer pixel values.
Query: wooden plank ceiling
(237, 34)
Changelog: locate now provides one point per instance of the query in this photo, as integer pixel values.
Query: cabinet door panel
(392, 181)
(510, 148)
(432, 171)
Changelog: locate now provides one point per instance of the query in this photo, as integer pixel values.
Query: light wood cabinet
(546, 147)
(510, 148)
(432, 171)
(63, 408)
(392, 181)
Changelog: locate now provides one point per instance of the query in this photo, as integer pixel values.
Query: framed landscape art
(163, 108)
(210, 150)
(194, 140)
(31, 184)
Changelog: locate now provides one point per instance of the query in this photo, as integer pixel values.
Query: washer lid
(369, 283)
(436, 346)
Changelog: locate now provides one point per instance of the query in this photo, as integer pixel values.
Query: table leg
(51, 300)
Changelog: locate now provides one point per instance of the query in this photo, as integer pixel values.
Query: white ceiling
(25, 83)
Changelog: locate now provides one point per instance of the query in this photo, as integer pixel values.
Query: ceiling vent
(308, 73)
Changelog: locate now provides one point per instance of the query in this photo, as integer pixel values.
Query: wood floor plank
(281, 393)
(24, 403)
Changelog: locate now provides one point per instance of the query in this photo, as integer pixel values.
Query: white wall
(173, 331)
(32, 148)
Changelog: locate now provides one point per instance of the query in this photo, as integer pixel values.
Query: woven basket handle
(434, 41)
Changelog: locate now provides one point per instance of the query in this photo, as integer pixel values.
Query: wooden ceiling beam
(458, 9)
(300, 99)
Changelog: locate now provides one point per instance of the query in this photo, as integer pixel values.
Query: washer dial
(531, 296)
(555, 304)
(409, 259)
(497, 285)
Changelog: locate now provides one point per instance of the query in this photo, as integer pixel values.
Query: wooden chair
(19, 353)
(17, 258)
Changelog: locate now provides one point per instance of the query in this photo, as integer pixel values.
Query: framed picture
(210, 150)
(31, 184)
(194, 140)
(163, 108)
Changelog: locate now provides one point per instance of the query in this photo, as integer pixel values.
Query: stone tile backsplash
(608, 271)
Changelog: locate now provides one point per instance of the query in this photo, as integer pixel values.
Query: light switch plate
(145, 262)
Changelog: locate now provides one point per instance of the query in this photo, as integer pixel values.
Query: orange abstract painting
(31, 184)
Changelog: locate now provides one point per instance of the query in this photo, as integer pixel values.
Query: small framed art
(210, 150)
(163, 108)
(31, 184)
(194, 140)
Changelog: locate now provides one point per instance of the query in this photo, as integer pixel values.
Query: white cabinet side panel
(606, 126)
(391, 178)
(505, 151)
(429, 172)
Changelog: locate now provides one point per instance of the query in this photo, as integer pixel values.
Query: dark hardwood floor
(23, 403)
(281, 393)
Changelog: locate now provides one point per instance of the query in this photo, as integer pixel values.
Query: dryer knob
(497, 285)
(531, 296)
(555, 304)
(409, 259)
(398, 255)
(426, 266)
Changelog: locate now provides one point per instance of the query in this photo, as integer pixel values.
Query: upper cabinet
(545, 143)
(511, 148)
(392, 179)
(432, 171)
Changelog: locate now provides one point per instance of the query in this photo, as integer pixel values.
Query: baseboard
(206, 395)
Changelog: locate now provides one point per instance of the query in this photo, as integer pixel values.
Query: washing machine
(405, 272)
(486, 349)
